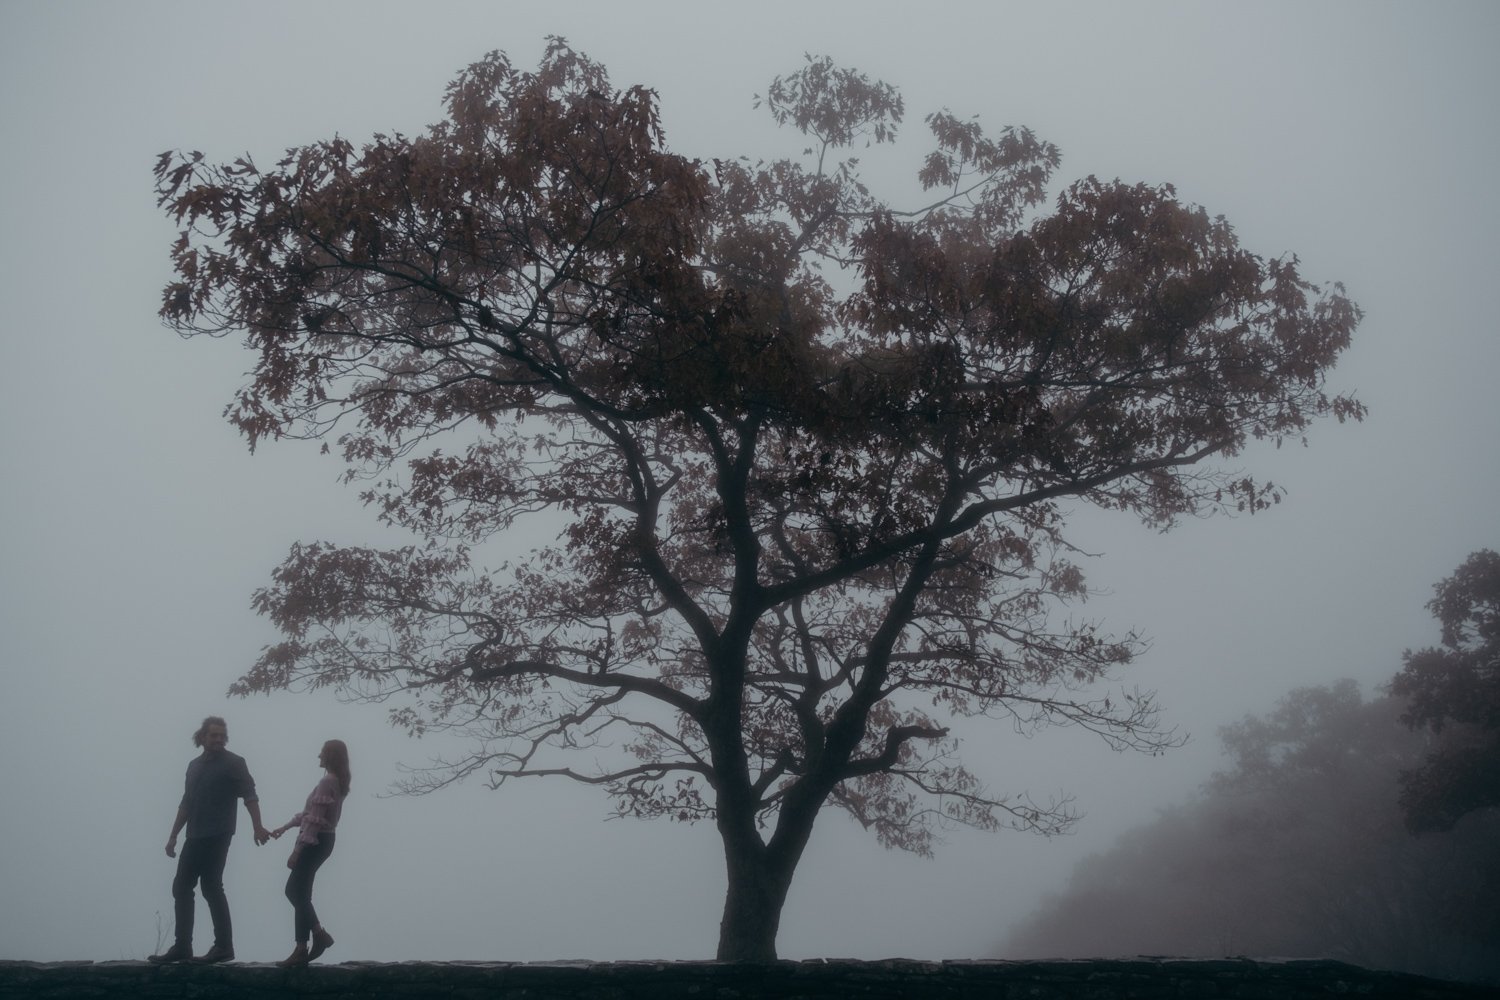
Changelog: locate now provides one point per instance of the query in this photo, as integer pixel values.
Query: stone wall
(896, 979)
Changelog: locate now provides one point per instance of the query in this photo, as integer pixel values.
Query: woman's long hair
(336, 759)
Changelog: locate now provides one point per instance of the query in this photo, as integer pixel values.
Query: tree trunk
(759, 876)
(752, 909)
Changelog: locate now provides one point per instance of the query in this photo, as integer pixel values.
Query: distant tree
(1454, 691)
(805, 452)
(1298, 849)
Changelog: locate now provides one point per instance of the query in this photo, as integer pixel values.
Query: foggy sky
(134, 524)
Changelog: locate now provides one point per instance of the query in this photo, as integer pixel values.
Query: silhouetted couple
(216, 779)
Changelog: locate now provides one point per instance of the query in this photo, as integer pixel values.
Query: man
(215, 779)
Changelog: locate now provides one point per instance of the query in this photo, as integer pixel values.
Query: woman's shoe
(321, 942)
(296, 958)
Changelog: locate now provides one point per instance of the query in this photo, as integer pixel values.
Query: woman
(314, 843)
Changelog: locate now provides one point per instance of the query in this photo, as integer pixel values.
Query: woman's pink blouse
(321, 813)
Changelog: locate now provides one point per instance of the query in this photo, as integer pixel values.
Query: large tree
(806, 454)
(1454, 690)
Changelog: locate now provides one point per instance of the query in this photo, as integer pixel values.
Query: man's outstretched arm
(252, 806)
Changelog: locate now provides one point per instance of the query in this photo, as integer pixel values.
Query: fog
(1299, 847)
(134, 524)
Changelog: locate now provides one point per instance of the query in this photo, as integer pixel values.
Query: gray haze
(134, 524)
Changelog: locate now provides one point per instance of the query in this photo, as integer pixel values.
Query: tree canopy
(1454, 691)
(806, 451)
(1297, 849)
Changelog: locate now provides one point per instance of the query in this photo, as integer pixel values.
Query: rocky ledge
(1244, 979)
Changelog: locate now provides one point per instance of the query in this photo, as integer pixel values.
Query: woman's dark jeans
(299, 883)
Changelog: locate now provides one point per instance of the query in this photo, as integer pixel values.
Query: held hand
(276, 833)
(261, 835)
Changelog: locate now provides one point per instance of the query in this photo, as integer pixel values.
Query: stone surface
(892, 979)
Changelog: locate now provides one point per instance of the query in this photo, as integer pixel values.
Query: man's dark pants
(202, 862)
